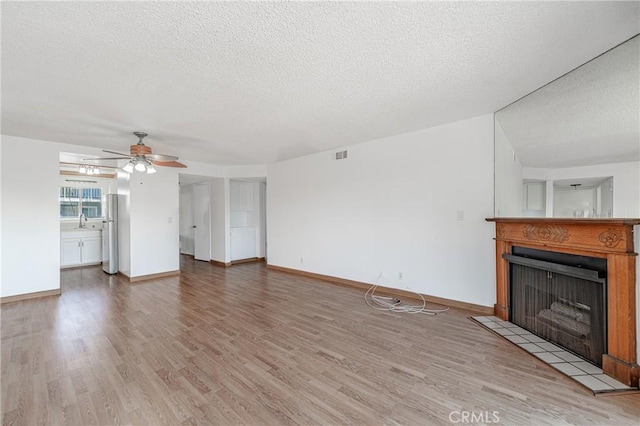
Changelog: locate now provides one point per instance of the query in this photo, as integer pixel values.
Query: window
(74, 201)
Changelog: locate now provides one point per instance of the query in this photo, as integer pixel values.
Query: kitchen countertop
(80, 232)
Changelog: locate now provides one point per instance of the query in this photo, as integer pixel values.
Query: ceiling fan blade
(161, 157)
(118, 153)
(168, 164)
(106, 158)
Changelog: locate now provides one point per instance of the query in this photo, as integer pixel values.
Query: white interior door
(202, 221)
(186, 220)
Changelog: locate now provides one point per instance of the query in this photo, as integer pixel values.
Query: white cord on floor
(394, 305)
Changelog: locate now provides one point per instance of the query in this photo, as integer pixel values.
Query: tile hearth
(583, 372)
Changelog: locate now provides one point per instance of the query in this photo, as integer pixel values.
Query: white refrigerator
(110, 234)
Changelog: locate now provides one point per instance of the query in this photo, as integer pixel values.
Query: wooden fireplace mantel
(611, 239)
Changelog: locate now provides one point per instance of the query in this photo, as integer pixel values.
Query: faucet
(85, 220)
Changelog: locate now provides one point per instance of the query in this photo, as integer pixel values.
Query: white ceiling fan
(142, 159)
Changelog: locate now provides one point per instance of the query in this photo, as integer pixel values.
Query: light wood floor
(247, 345)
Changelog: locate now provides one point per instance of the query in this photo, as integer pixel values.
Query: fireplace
(608, 246)
(561, 298)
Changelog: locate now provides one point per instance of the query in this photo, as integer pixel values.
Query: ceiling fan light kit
(139, 166)
(88, 170)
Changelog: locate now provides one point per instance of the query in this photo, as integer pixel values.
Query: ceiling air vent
(341, 155)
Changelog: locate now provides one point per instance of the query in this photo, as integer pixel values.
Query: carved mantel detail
(610, 238)
(555, 233)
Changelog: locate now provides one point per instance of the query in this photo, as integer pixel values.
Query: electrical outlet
(302, 260)
(400, 275)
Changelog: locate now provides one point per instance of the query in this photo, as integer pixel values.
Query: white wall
(220, 221)
(508, 177)
(154, 222)
(392, 206)
(626, 182)
(259, 171)
(124, 222)
(30, 216)
(212, 170)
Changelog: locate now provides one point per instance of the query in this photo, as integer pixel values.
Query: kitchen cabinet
(92, 250)
(70, 251)
(80, 248)
(243, 243)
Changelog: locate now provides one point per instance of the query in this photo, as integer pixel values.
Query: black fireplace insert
(560, 297)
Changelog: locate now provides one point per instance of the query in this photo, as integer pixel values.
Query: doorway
(195, 219)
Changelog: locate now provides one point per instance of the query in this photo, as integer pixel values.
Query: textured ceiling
(258, 82)
(589, 116)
